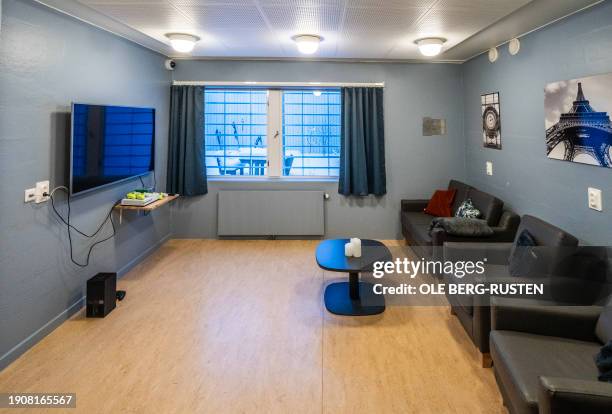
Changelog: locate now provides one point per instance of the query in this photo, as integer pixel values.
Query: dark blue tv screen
(110, 144)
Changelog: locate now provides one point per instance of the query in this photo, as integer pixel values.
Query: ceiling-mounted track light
(307, 44)
(182, 42)
(430, 46)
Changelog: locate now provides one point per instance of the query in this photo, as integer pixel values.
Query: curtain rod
(284, 84)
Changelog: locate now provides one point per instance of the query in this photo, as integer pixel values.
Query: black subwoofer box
(101, 294)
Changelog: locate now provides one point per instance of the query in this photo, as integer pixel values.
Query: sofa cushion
(460, 195)
(520, 359)
(417, 217)
(491, 207)
(440, 203)
(416, 227)
(420, 233)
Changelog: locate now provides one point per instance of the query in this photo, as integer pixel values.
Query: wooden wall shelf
(148, 208)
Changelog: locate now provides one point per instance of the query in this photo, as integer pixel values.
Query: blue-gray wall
(524, 177)
(48, 60)
(416, 165)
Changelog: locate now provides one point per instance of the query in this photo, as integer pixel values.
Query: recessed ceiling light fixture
(182, 42)
(307, 44)
(430, 46)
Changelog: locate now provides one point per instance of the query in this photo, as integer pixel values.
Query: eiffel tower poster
(578, 126)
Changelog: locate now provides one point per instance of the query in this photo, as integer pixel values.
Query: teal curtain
(186, 168)
(362, 143)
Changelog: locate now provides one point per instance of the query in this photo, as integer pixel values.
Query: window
(311, 133)
(236, 127)
(274, 133)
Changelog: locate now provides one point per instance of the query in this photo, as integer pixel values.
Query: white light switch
(595, 199)
(489, 168)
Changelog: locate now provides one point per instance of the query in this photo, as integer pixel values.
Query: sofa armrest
(569, 396)
(505, 230)
(495, 253)
(544, 318)
(414, 205)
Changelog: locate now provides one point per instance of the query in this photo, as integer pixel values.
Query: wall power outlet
(595, 199)
(42, 187)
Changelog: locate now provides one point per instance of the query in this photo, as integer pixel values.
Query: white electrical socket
(42, 187)
(595, 199)
(489, 167)
(30, 195)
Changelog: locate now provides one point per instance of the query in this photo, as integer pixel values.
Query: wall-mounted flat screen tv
(110, 144)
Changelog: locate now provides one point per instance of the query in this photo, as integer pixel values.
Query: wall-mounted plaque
(432, 127)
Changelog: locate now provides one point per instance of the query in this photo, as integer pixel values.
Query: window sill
(273, 179)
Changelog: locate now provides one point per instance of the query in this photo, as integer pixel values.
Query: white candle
(348, 250)
(356, 243)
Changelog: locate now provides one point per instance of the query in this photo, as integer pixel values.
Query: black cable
(154, 181)
(89, 236)
(69, 226)
(109, 217)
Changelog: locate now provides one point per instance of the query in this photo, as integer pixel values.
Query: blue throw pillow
(523, 258)
(467, 210)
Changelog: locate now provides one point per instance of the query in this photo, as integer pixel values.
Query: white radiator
(270, 213)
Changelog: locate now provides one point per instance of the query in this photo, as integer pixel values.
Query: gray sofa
(543, 357)
(415, 223)
(473, 311)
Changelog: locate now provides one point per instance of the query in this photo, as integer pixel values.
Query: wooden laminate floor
(214, 326)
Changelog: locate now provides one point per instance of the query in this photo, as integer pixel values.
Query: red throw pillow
(441, 203)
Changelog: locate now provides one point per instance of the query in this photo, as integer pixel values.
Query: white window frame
(275, 133)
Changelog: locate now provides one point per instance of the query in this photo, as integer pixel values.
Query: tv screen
(110, 144)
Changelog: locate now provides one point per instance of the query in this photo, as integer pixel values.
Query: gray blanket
(460, 226)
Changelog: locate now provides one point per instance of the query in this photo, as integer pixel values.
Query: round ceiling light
(430, 46)
(493, 55)
(182, 42)
(307, 44)
(514, 46)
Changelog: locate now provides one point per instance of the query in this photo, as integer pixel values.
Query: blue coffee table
(352, 298)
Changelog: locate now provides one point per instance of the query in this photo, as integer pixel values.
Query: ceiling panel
(372, 19)
(391, 4)
(141, 15)
(482, 6)
(225, 17)
(300, 19)
(301, 3)
(356, 29)
(378, 44)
